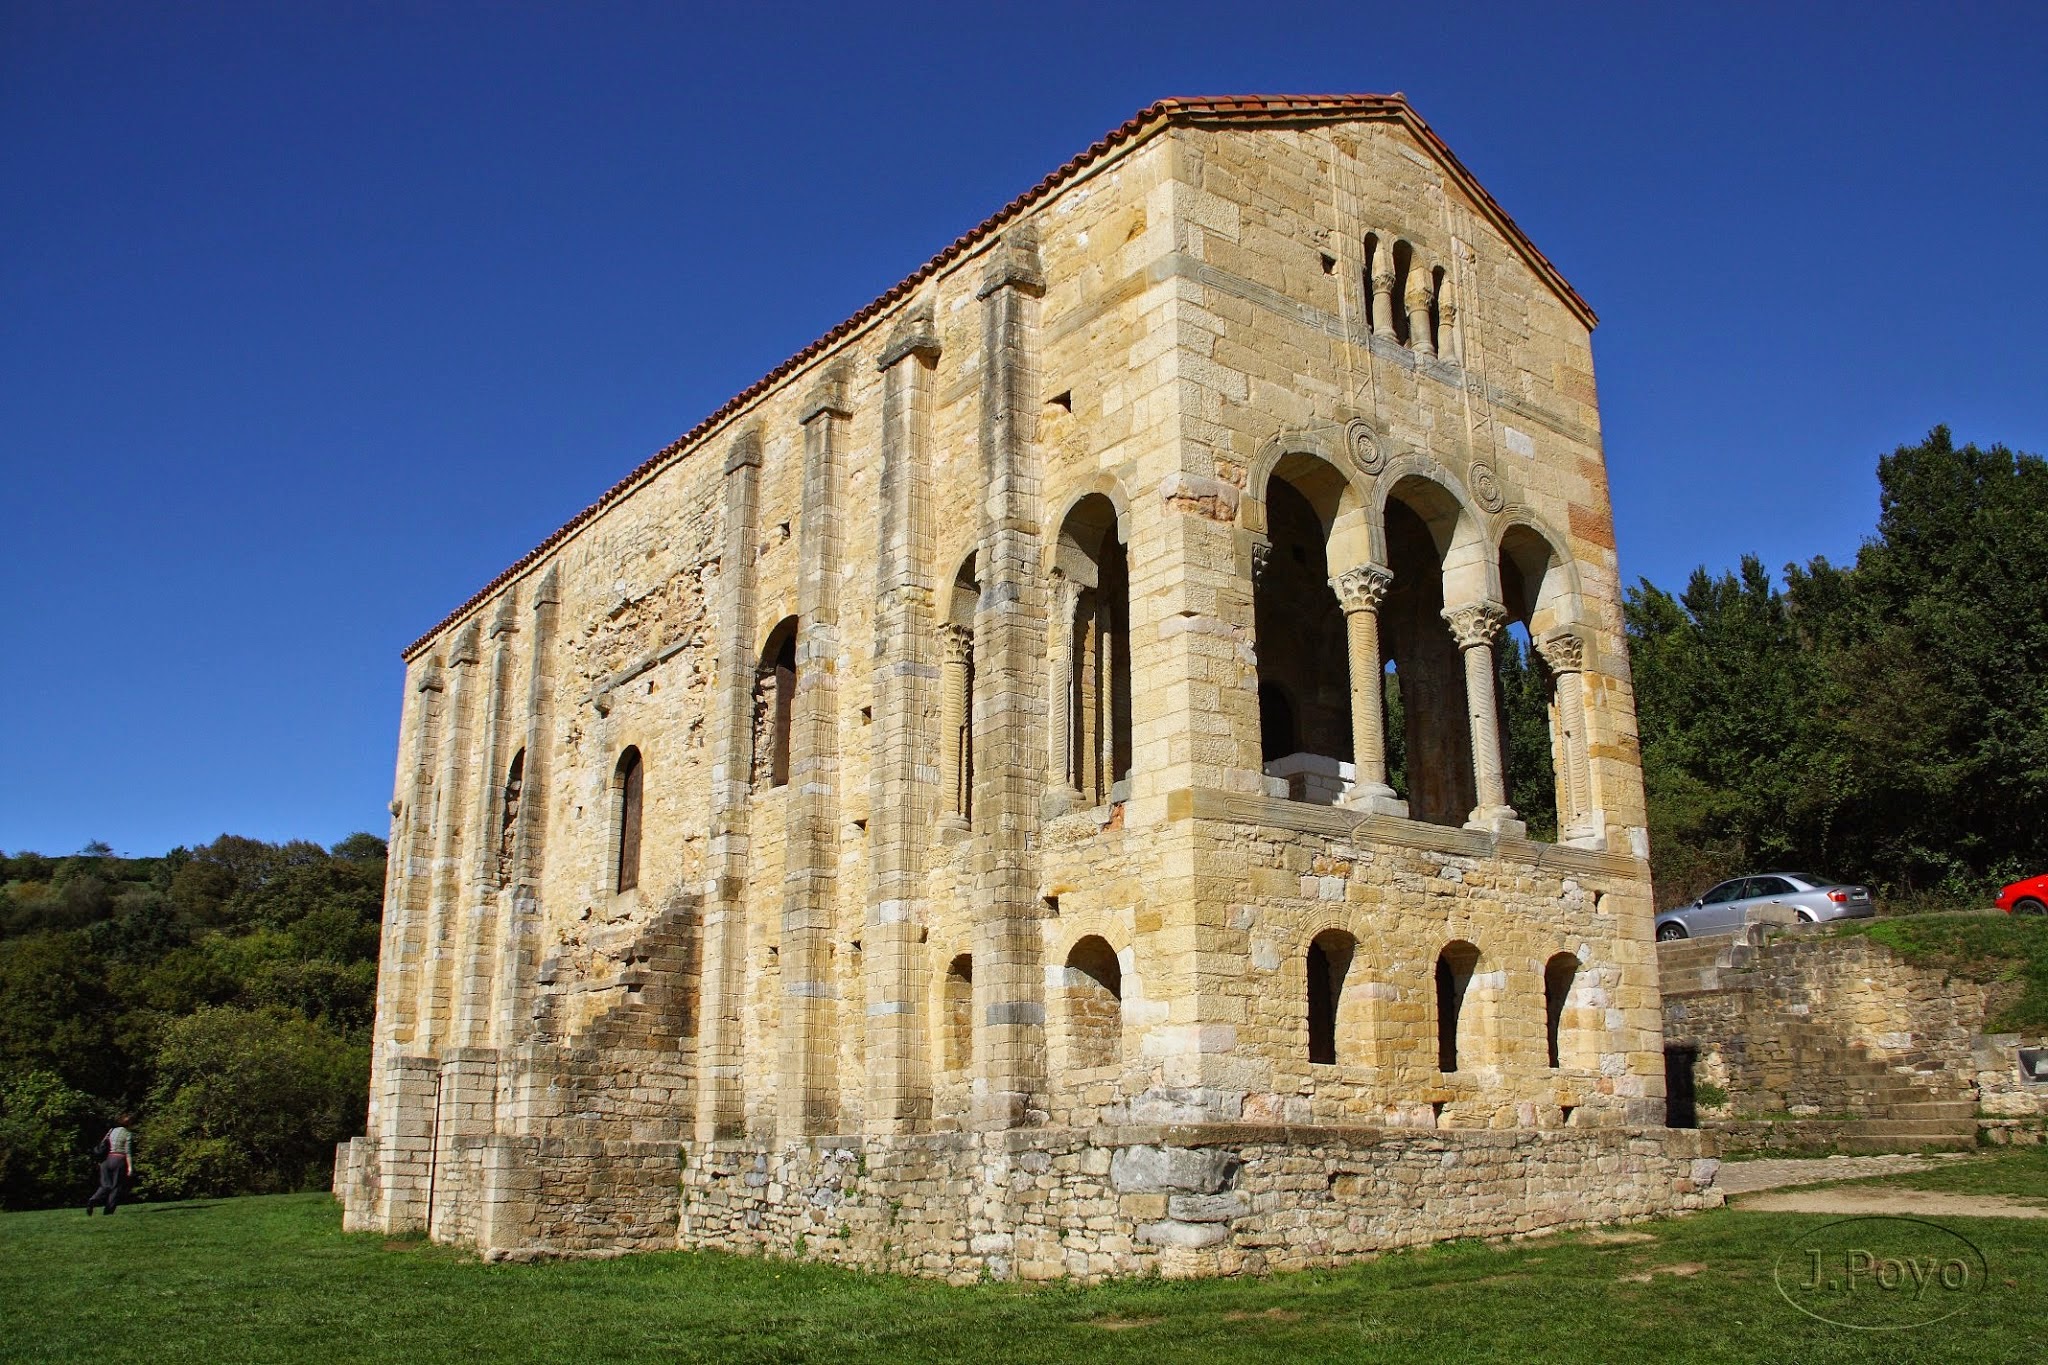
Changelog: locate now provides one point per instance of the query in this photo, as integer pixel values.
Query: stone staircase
(1858, 1102)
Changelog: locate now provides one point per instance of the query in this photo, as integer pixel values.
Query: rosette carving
(1486, 490)
(1364, 445)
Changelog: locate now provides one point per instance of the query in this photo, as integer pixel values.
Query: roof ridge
(1147, 120)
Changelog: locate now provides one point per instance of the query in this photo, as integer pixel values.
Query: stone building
(937, 814)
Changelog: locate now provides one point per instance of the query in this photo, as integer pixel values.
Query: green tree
(44, 1143)
(249, 1101)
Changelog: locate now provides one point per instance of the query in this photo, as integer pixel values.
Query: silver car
(1727, 908)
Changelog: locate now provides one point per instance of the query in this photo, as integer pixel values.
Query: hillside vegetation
(224, 994)
(1885, 722)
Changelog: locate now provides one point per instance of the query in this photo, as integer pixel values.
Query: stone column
(520, 959)
(1009, 705)
(1383, 291)
(901, 793)
(1475, 626)
(1361, 590)
(720, 1101)
(1062, 785)
(1449, 345)
(956, 761)
(436, 1022)
(807, 1088)
(1420, 282)
(1565, 652)
(1105, 694)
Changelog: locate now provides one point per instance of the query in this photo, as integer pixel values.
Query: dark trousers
(109, 1192)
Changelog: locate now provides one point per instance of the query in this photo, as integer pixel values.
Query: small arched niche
(956, 1015)
(1328, 971)
(1559, 975)
(1094, 1000)
(1455, 968)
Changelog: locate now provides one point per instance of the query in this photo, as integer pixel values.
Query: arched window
(775, 705)
(1095, 1010)
(1431, 543)
(1092, 637)
(957, 1023)
(1329, 963)
(1454, 968)
(508, 819)
(1404, 261)
(1304, 670)
(956, 700)
(1558, 975)
(626, 801)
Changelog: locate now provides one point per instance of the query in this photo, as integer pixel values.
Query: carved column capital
(465, 649)
(1362, 588)
(827, 398)
(914, 334)
(1564, 651)
(503, 620)
(1418, 291)
(1383, 273)
(958, 642)
(1262, 555)
(1475, 623)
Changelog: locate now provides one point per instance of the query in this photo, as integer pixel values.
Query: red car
(2029, 897)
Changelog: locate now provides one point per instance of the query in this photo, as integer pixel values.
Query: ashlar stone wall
(970, 746)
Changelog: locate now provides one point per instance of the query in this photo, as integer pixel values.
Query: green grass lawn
(274, 1279)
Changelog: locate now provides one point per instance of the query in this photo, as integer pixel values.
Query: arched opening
(1404, 262)
(956, 697)
(508, 815)
(1303, 649)
(1425, 685)
(775, 705)
(1329, 963)
(1455, 966)
(1542, 710)
(956, 1022)
(1092, 725)
(1095, 1010)
(627, 784)
(1558, 975)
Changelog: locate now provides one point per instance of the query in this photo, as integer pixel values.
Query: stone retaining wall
(1087, 1204)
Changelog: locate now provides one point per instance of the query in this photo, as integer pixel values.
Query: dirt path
(1853, 1200)
(1746, 1177)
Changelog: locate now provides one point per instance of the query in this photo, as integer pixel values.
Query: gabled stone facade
(938, 814)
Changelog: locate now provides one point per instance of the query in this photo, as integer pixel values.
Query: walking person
(117, 1163)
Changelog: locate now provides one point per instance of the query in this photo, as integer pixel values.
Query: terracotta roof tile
(1208, 109)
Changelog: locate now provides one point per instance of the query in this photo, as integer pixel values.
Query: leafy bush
(249, 1101)
(45, 1147)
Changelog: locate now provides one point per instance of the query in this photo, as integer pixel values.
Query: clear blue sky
(314, 316)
